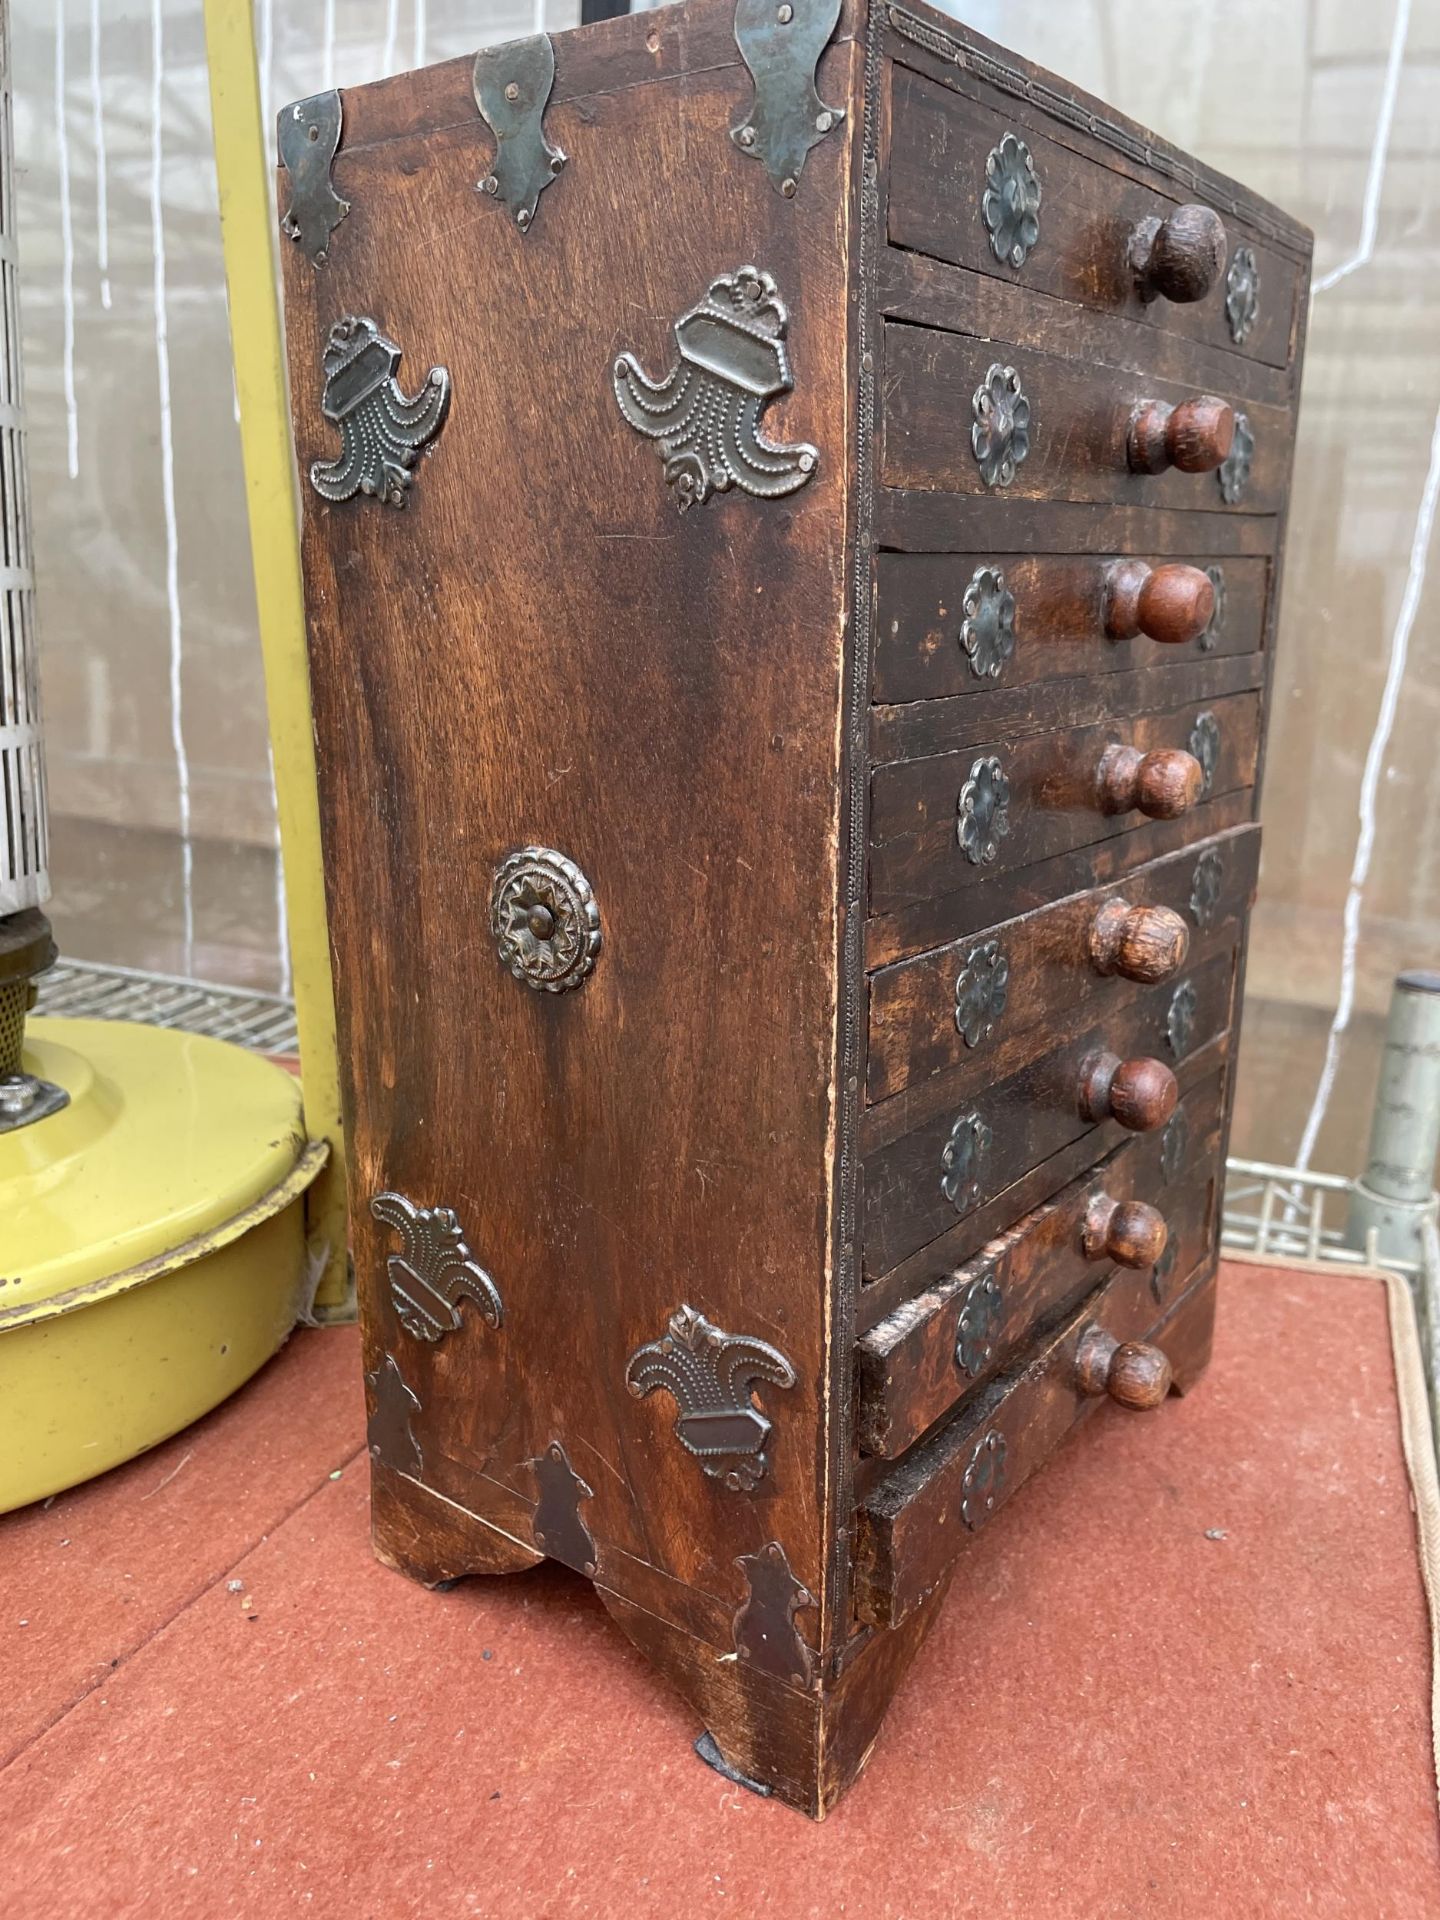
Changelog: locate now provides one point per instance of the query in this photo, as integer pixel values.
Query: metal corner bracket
(781, 42)
(309, 140)
(512, 87)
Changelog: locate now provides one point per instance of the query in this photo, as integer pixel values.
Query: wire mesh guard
(262, 1022)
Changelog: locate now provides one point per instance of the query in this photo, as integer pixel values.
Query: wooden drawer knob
(1140, 1094)
(1181, 256)
(1139, 943)
(1133, 1373)
(1195, 436)
(1171, 604)
(1128, 1232)
(1162, 785)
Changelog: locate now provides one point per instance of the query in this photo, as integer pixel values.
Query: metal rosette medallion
(545, 920)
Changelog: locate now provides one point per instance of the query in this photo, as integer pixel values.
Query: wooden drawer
(911, 1525)
(952, 820)
(977, 1000)
(941, 143)
(978, 1135)
(1077, 439)
(931, 1352)
(951, 624)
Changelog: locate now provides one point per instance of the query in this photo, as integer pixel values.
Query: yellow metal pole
(248, 229)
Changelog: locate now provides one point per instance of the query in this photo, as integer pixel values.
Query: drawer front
(981, 1135)
(913, 1523)
(952, 417)
(1090, 226)
(929, 1354)
(976, 1000)
(955, 819)
(951, 624)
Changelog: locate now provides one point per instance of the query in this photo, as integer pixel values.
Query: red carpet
(1187, 1674)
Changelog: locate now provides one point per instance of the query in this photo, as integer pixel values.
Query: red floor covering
(1186, 1673)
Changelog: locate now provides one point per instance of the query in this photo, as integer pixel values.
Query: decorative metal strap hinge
(512, 88)
(381, 432)
(435, 1273)
(781, 42)
(309, 141)
(711, 1374)
(705, 412)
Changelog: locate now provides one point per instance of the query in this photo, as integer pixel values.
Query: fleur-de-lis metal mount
(434, 1273)
(1242, 294)
(984, 811)
(309, 141)
(1010, 204)
(512, 86)
(781, 44)
(711, 1374)
(1233, 473)
(981, 989)
(381, 432)
(705, 413)
(987, 631)
(1000, 432)
(963, 1160)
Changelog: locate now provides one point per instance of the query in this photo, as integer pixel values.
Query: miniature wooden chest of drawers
(793, 508)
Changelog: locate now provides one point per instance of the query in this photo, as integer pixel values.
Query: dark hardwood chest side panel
(540, 650)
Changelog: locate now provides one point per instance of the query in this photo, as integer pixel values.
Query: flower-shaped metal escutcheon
(984, 1479)
(1234, 471)
(1174, 1146)
(1205, 887)
(1000, 436)
(1162, 1272)
(1242, 295)
(987, 633)
(1180, 1019)
(1010, 204)
(984, 810)
(962, 1164)
(982, 1309)
(1204, 743)
(544, 919)
(981, 990)
(1212, 633)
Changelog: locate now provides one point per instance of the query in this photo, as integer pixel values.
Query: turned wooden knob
(1139, 943)
(1140, 1094)
(1171, 604)
(1128, 1232)
(1162, 785)
(1133, 1373)
(1195, 436)
(1181, 256)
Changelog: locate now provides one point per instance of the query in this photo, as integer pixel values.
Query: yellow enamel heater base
(152, 1244)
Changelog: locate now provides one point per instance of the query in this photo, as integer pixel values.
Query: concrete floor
(1186, 1673)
